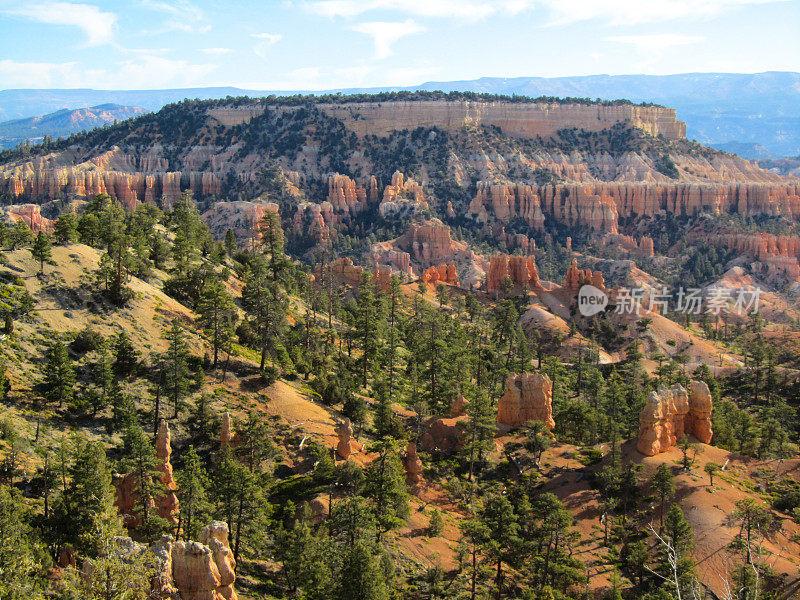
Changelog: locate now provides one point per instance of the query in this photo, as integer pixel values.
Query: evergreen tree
(305, 560)
(19, 568)
(480, 428)
(103, 376)
(126, 359)
(272, 242)
(87, 499)
(59, 376)
(20, 235)
(361, 576)
(230, 242)
(385, 486)
(664, 486)
(217, 315)
(177, 370)
(194, 506)
(65, 231)
(42, 250)
(266, 304)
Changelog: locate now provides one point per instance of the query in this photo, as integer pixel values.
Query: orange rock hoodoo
(672, 412)
(346, 445)
(127, 487)
(413, 465)
(441, 274)
(528, 397)
(429, 243)
(204, 570)
(520, 269)
(576, 277)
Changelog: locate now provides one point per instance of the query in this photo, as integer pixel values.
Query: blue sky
(319, 44)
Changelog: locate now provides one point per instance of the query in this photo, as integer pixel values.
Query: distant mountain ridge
(718, 108)
(64, 122)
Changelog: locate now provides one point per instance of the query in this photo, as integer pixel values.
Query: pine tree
(538, 440)
(500, 546)
(59, 376)
(230, 242)
(678, 530)
(65, 230)
(177, 383)
(20, 235)
(88, 496)
(436, 523)
(126, 359)
(272, 242)
(664, 486)
(266, 304)
(194, 506)
(103, 376)
(42, 250)
(367, 325)
(305, 560)
(19, 565)
(361, 576)
(385, 486)
(481, 426)
(385, 421)
(217, 315)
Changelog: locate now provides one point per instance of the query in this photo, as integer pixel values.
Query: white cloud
(96, 24)
(385, 34)
(656, 42)
(265, 42)
(216, 51)
(139, 72)
(464, 9)
(560, 12)
(638, 12)
(182, 16)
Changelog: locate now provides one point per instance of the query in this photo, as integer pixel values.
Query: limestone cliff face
(599, 206)
(522, 120)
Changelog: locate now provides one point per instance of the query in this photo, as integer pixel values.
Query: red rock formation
(413, 465)
(528, 397)
(777, 255)
(672, 412)
(445, 274)
(575, 278)
(30, 214)
(508, 201)
(127, 487)
(346, 445)
(642, 247)
(167, 503)
(228, 439)
(429, 243)
(458, 407)
(215, 536)
(443, 435)
(598, 205)
(520, 269)
(205, 570)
